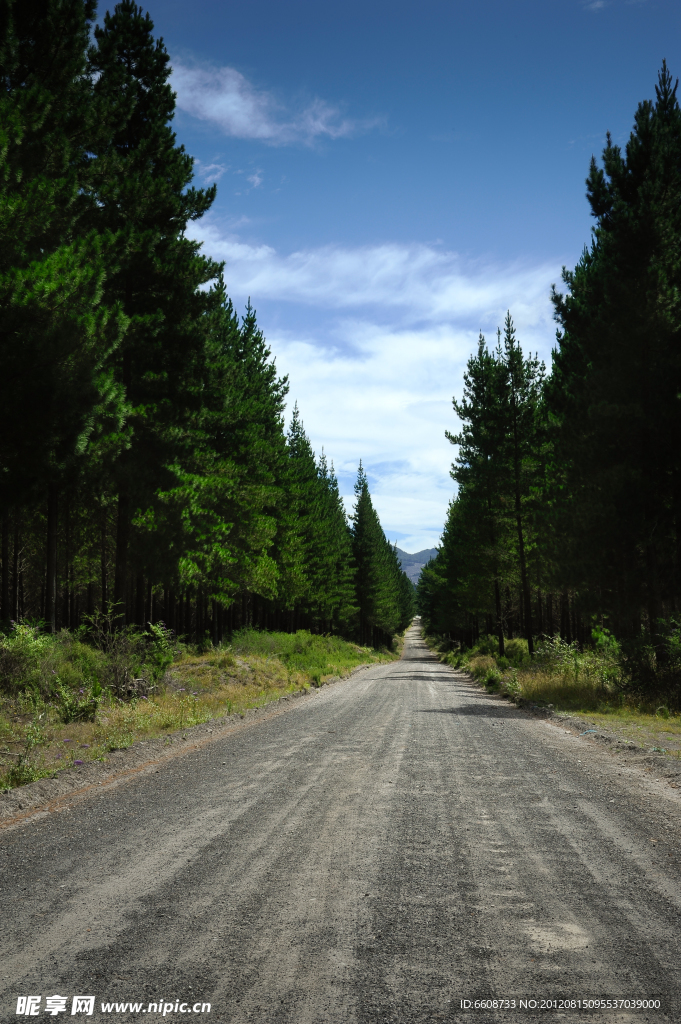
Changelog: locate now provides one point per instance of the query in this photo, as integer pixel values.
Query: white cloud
(598, 5)
(418, 282)
(210, 172)
(387, 401)
(374, 377)
(224, 97)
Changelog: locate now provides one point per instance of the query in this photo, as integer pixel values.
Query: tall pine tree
(614, 391)
(160, 276)
(55, 332)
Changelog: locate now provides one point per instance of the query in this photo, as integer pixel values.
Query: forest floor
(35, 743)
(390, 848)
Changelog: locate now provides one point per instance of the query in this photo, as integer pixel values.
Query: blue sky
(391, 178)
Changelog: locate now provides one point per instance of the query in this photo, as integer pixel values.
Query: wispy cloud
(598, 5)
(421, 282)
(388, 330)
(224, 97)
(210, 172)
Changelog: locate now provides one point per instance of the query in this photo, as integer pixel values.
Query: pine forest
(565, 531)
(147, 474)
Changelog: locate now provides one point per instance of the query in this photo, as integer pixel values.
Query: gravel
(376, 852)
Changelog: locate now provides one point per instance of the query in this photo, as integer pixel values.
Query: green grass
(255, 669)
(651, 731)
(319, 656)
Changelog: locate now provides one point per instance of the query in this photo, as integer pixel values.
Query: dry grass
(633, 720)
(481, 665)
(563, 690)
(628, 717)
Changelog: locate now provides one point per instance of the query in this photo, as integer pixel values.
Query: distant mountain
(412, 564)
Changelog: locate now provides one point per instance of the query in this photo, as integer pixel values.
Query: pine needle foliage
(146, 477)
(566, 519)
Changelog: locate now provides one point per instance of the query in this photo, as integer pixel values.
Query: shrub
(481, 666)
(161, 649)
(511, 683)
(21, 652)
(316, 654)
(517, 651)
(77, 707)
(651, 666)
(487, 645)
(493, 679)
(123, 654)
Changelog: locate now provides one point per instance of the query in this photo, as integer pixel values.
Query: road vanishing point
(390, 849)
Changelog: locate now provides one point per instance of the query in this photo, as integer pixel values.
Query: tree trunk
(525, 593)
(122, 542)
(4, 611)
(67, 602)
(653, 605)
(121, 595)
(15, 572)
(51, 571)
(500, 621)
(565, 617)
(102, 564)
(527, 599)
(140, 610)
(21, 596)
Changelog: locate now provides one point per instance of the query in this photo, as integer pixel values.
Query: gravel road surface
(376, 852)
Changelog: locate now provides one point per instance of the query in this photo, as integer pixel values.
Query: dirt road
(379, 852)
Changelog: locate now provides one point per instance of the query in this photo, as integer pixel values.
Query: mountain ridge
(412, 564)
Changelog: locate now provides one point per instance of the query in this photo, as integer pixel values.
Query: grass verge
(583, 684)
(255, 669)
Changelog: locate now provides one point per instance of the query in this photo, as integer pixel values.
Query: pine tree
(56, 334)
(160, 274)
(524, 380)
(304, 498)
(233, 494)
(491, 529)
(480, 471)
(155, 419)
(335, 570)
(613, 393)
(383, 604)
